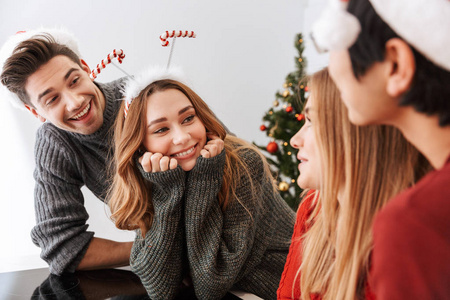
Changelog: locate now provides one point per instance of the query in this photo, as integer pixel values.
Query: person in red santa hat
(391, 63)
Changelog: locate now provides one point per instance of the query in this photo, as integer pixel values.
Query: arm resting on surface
(102, 254)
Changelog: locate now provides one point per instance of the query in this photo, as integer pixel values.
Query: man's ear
(35, 113)
(402, 67)
(85, 66)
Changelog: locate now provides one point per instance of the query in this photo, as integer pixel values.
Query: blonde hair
(130, 194)
(370, 165)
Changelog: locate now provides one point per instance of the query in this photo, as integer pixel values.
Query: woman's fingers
(213, 147)
(173, 163)
(156, 162)
(145, 162)
(155, 159)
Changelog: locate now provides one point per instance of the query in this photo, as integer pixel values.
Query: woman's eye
(189, 119)
(161, 130)
(308, 122)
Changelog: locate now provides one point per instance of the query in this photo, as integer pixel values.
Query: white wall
(242, 53)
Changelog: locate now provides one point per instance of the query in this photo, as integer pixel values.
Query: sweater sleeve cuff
(213, 166)
(164, 179)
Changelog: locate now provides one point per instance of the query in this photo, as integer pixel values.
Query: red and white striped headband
(134, 85)
(61, 36)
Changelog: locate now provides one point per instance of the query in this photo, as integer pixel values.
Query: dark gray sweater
(65, 162)
(222, 250)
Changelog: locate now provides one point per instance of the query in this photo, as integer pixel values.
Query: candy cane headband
(61, 36)
(134, 85)
(423, 24)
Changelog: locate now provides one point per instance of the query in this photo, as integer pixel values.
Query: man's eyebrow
(70, 72)
(50, 89)
(43, 94)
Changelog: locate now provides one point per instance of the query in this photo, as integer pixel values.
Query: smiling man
(45, 74)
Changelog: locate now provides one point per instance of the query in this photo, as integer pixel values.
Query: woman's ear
(402, 67)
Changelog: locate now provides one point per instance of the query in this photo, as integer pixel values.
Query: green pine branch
(281, 124)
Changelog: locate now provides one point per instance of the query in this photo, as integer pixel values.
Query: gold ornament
(285, 144)
(300, 40)
(300, 59)
(286, 93)
(289, 153)
(283, 186)
(285, 85)
(276, 103)
(293, 180)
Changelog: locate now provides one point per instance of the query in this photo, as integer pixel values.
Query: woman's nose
(180, 136)
(297, 140)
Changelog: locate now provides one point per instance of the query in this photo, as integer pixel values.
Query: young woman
(203, 201)
(356, 169)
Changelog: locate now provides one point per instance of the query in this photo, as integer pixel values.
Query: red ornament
(306, 89)
(289, 109)
(300, 117)
(272, 147)
(262, 127)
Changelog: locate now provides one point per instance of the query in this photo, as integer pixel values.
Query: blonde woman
(203, 202)
(357, 170)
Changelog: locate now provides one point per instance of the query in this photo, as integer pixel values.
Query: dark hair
(27, 58)
(429, 92)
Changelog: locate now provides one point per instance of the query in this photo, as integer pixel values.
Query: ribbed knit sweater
(244, 247)
(65, 162)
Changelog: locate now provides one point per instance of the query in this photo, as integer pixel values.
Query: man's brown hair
(27, 58)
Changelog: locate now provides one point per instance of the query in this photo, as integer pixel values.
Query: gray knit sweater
(65, 162)
(222, 249)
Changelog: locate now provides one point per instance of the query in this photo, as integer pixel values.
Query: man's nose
(73, 101)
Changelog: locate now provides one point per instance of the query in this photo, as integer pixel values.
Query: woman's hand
(156, 162)
(213, 147)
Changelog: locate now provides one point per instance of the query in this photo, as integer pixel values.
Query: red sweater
(411, 254)
(294, 257)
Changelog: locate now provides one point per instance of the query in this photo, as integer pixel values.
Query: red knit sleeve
(293, 261)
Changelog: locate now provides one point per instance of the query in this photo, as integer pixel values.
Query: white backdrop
(242, 53)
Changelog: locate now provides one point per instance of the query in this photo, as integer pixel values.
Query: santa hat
(423, 24)
(134, 85)
(61, 36)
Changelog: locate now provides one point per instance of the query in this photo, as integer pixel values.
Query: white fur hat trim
(336, 29)
(423, 24)
(61, 36)
(136, 84)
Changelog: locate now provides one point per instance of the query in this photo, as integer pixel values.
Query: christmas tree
(282, 121)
